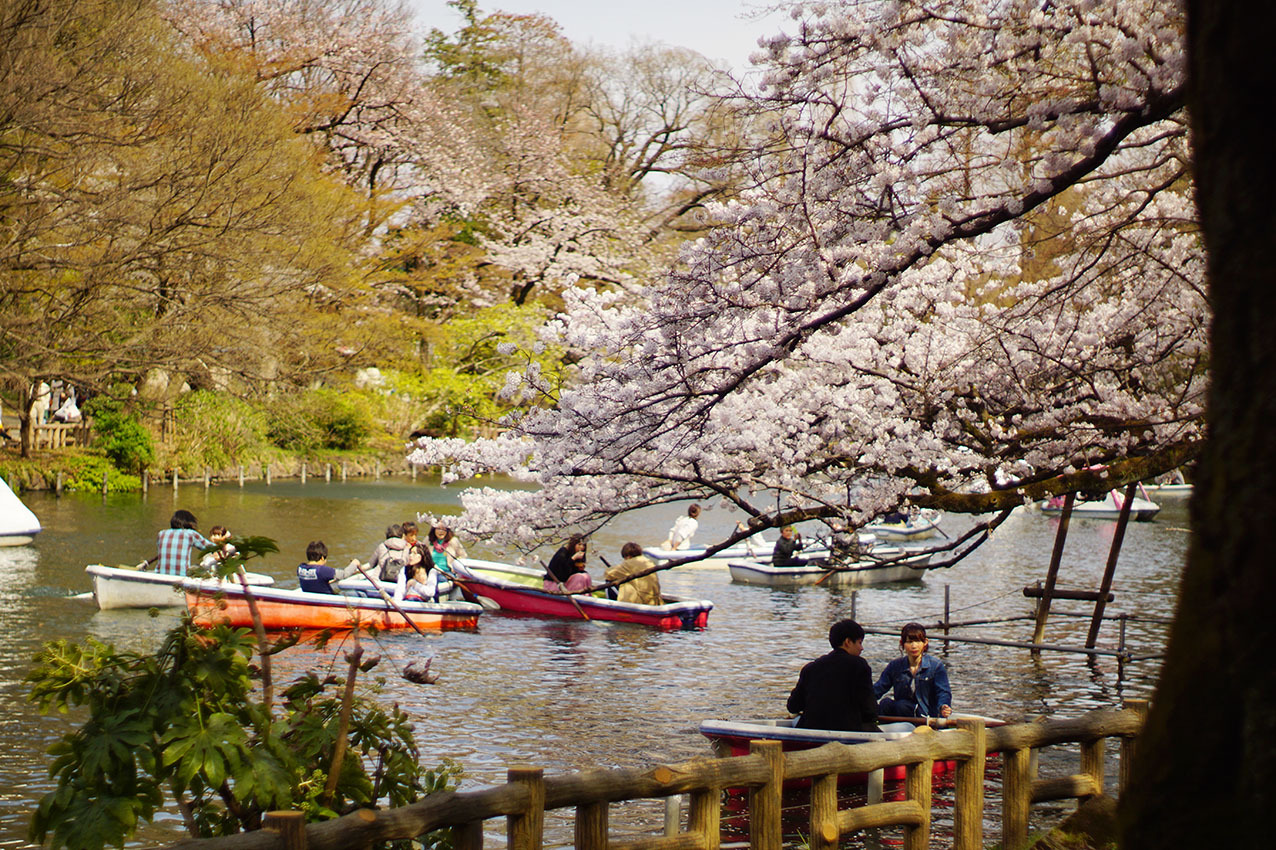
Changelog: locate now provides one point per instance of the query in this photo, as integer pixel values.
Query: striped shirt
(174, 546)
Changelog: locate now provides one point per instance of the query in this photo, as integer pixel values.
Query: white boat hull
(1141, 510)
(129, 587)
(863, 574)
(919, 527)
(18, 525)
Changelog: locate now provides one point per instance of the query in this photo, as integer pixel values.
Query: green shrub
(85, 473)
(118, 430)
(320, 419)
(216, 430)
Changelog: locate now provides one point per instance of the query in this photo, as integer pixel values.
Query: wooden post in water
(1043, 605)
(145, 476)
(1110, 569)
(412, 469)
(174, 480)
(241, 475)
(327, 472)
(265, 471)
(208, 478)
(591, 827)
(57, 486)
(968, 805)
(378, 470)
(947, 620)
(105, 477)
(525, 831)
(764, 801)
(303, 472)
(855, 597)
(291, 827)
(343, 471)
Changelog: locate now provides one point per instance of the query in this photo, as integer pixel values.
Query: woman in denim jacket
(919, 681)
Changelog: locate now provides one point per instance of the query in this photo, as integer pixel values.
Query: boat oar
(388, 600)
(572, 597)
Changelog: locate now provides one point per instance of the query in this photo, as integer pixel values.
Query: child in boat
(919, 681)
(644, 590)
(315, 576)
(220, 535)
(683, 529)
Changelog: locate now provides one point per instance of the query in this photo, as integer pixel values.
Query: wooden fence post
(1016, 797)
(241, 475)
(825, 834)
(968, 805)
(591, 826)
(704, 817)
(327, 472)
(343, 470)
(291, 827)
(917, 787)
(1130, 745)
(175, 479)
(1052, 574)
(764, 801)
(1092, 762)
(208, 478)
(468, 836)
(526, 831)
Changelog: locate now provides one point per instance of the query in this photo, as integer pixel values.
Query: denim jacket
(929, 692)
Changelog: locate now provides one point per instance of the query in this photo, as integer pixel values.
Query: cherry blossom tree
(966, 273)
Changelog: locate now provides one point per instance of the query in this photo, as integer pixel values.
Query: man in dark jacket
(835, 691)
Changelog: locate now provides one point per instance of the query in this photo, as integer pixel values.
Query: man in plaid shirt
(175, 544)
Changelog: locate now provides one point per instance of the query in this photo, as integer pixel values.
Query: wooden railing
(59, 435)
(528, 794)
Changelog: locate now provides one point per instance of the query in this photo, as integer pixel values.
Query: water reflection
(567, 694)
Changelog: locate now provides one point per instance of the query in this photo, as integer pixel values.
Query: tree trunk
(25, 424)
(1204, 774)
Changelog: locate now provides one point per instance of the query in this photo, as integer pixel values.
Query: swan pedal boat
(920, 527)
(732, 738)
(520, 589)
(217, 604)
(133, 587)
(1109, 507)
(856, 574)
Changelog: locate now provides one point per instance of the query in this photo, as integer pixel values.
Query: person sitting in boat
(567, 563)
(789, 543)
(636, 574)
(220, 535)
(919, 682)
(315, 576)
(683, 529)
(755, 542)
(174, 544)
(443, 544)
(835, 691)
(389, 556)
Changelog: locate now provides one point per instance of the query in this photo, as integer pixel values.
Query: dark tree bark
(1206, 771)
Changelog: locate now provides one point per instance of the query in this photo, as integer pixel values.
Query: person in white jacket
(683, 529)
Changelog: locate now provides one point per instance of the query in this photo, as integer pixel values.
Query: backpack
(393, 562)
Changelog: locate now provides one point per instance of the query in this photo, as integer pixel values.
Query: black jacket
(835, 691)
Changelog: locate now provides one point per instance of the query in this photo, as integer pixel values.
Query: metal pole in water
(947, 589)
(855, 598)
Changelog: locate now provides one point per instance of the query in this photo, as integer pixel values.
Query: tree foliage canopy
(967, 271)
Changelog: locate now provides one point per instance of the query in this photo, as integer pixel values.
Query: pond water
(570, 695)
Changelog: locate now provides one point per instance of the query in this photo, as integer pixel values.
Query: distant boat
(1109, 507)
(130, 587)
(18, 525)
(750, 549)
(880, 569)
(918, 526)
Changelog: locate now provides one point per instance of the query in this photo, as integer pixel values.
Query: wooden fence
(59, 435)
(528, 794)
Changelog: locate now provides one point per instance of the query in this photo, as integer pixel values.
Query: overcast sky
(719, 29)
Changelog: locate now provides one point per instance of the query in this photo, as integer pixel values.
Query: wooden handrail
(528, 794)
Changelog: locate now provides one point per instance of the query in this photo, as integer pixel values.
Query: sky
(719, 29)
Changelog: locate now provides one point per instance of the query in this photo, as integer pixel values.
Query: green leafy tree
(119, 431)
(188, 726)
